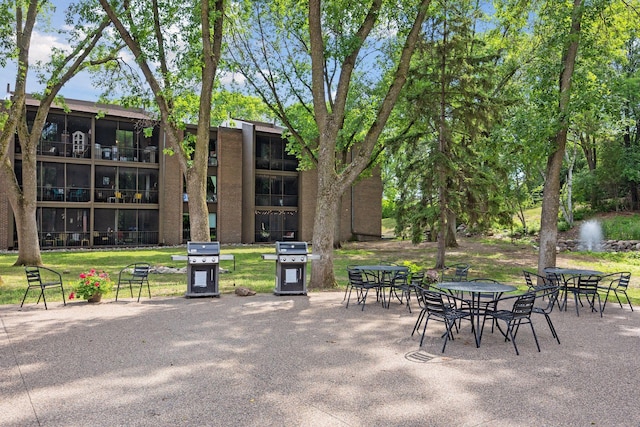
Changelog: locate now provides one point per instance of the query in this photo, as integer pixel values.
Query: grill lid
(291, 248)
(203, 248)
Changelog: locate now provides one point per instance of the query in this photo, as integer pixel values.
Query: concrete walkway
(306, 361)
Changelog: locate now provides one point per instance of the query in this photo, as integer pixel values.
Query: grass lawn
(503, 260)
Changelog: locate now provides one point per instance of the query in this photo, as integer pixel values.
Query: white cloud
(41, 45)
(228, 79)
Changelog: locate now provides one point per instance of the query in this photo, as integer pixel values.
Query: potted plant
(92, 285)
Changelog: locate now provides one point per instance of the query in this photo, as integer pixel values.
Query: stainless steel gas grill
(203, 261)
(291, 267)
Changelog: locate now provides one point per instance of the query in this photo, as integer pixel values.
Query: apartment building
(105, 180)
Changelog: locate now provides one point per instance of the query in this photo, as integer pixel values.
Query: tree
(331, 72)
(451, 102)
(84, 37)
(177, 46)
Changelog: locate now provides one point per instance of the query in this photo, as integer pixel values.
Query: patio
(305, 360)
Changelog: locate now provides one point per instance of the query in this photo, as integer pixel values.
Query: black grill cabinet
(291, 267)
(203, 261)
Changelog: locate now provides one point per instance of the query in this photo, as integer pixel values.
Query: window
(212, 226)
(61, 182)
(213, 152)
(135, 185)
(276, 190)
(275, 225)
(212, 196)
(271, 154)
(125, 142)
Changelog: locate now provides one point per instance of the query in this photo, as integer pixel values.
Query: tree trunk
(324, 224)
(551, 191)
(549, 216)
(198, 211)
(442, 226)
(450, 236)
(24, 209)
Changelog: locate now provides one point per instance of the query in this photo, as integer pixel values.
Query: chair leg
(606, 298)
(535, 337)
(424, 329)
(44, 298)
(624, 292)
(418, 322)
(510, 336)
(25, 296)
(552, 328)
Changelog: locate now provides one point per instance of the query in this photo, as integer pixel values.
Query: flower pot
(95, 297)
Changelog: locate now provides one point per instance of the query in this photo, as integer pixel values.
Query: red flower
(72, 295)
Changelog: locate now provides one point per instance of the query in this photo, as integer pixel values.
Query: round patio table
(476, 289)
(379, 272)
(567, 274)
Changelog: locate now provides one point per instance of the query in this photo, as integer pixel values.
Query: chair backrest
(523, 305)
(33, 275)
(554, 279)
(118, 195)
(548, 294)
(141, 270)
(417, 278)
(529, 277)
(455, 273)
(484, 279)
(433, 302)
(623, 281)
(588, 284)
(400, 278)
(355, 277)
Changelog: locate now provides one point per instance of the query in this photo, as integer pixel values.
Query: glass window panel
(290, 184)
(262, 152)
(79, 176)
(125, 142)
(53, 128)
(77, 220)
(106, 132)
(82, 124)
(104, 219)
(262, 226)
(212, 196)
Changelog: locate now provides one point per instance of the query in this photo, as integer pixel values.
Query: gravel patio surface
(271, 360)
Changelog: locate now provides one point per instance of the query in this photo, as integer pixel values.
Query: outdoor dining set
(450, 297)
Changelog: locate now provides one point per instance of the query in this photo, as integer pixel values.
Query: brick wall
(230, 185)
(170, 199)
(308, 196)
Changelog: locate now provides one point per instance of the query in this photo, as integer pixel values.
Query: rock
(244, 292)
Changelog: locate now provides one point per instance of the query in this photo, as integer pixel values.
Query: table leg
(476, 308)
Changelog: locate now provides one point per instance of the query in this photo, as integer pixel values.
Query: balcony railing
(68, 149)
(52, 240)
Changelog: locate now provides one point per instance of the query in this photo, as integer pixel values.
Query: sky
(79, 87)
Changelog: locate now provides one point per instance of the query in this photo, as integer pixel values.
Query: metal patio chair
(550, 293)
(520, 313)
(42, 278)
(134, 275)
(618, 284)
(437, 306)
